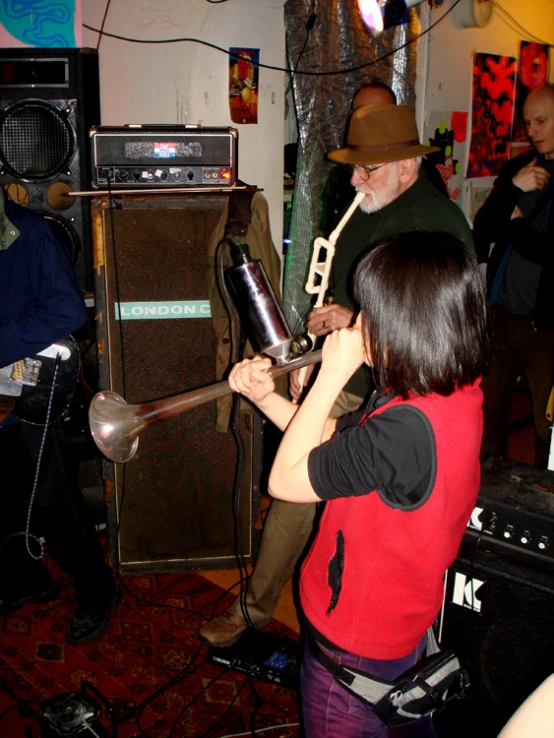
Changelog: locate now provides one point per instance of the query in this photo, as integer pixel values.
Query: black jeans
(58, 514)
(518, 348)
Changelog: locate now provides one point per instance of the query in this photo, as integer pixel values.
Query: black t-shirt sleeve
(393, 453)
(350, 420)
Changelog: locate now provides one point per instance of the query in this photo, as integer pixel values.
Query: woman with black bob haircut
(423, 314)
(400, 477)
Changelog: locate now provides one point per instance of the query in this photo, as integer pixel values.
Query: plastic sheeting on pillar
(337, 41)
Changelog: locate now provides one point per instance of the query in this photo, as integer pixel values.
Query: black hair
(424, 313)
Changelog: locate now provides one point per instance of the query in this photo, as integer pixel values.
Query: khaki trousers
(287, 529)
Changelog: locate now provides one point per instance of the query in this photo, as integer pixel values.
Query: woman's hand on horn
(251, 379)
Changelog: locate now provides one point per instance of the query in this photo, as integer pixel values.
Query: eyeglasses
(365, 172)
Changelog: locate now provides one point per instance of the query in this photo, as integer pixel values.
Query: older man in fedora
(384, 152)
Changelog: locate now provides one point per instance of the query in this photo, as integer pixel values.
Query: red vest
(395, 560)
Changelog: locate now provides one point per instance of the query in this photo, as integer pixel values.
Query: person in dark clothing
(517, 217)
(398, 198)
(339, 192)
(41, 303)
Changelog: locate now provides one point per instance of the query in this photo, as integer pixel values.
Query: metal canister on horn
(260, 313)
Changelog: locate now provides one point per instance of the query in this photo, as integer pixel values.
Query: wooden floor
(285, 612)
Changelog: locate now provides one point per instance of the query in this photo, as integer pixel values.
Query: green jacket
(421, 206)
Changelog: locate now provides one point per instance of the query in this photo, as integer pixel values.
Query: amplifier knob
(543, 543)
(122, 175)
(509, 532)
(136, 174)
(525, 537)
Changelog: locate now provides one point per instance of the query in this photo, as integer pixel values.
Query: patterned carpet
(149, 664)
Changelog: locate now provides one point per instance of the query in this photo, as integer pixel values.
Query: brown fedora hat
(379, 134)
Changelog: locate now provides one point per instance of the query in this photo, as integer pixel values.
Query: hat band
(385, 147)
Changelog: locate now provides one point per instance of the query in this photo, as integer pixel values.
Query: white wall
(445, 55)
(188, 83)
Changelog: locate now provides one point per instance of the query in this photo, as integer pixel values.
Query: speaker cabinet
(49, 99)
(172, 504)
(498, 617)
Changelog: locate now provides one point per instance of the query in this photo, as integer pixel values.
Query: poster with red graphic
(243, 85)
(532, 73)
(494, 79)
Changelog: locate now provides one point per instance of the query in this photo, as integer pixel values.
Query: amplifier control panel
(515, 508)
(163, 175)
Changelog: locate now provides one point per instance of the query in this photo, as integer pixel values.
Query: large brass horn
(116, 426)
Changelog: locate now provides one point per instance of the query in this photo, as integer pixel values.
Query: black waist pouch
(421, 690)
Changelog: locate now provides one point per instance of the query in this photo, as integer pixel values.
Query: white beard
(371, 206)
(388, 192)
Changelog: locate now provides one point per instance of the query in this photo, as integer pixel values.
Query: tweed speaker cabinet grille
(171, 505)
(498, 617)
(49, 98)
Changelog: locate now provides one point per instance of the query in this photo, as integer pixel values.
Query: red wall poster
(492, 113)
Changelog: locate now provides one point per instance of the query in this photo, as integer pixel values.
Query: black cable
(235, 331)
(182, 674)
(209, 733)
(237, 355)
(111, 202)
(151, 603)
(270, 66)
(199, 694)
(309, 25)
(472, 568)
(519, 28)
(188, 670)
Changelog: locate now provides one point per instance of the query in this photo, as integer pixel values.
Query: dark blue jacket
(494, 224)
(40, 298)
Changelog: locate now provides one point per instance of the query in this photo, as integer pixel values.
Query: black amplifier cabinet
(515, 512)
(498, 617)
(163, 156)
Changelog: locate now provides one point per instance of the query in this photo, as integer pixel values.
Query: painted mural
(40, 23)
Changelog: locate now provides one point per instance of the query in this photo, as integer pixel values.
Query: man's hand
(329, 318)
(531, 177)
(251, 380)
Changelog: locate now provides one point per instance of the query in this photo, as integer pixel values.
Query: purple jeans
(329, 711)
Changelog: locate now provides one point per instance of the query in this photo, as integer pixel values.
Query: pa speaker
(49, 99)
(498, 617)
(173, 505)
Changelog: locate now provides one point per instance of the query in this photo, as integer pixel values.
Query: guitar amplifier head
(163, 156)
(515, 511)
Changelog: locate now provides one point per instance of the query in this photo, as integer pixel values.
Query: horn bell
(115, 426)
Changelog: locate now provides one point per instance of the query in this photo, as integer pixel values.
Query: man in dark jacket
(41, 303)
(517, 217)
(384, 151)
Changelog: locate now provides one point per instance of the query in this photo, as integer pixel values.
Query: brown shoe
(224, 630)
